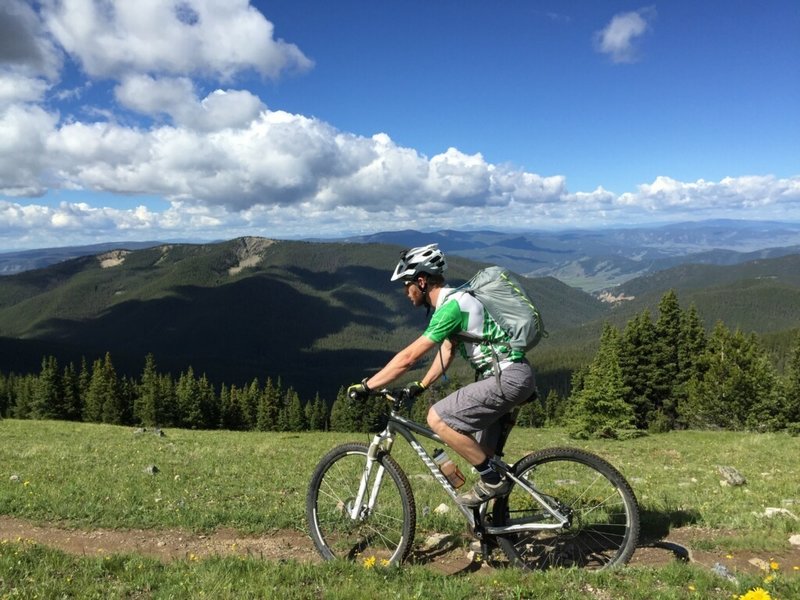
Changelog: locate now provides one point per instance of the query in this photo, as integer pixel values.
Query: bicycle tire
(604, 515)
(382, 535)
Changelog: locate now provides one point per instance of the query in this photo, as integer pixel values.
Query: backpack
(507, 303)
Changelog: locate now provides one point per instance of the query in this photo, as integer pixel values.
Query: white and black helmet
(425, 259)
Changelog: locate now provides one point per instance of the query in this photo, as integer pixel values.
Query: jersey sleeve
(447, 320)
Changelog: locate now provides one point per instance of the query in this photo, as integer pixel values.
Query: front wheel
(379, 534)
(603, 515)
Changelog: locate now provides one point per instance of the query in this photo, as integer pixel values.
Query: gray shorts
(476, 408)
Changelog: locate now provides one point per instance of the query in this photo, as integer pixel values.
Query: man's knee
(434, 420)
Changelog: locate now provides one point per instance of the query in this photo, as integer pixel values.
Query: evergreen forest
(656, 373)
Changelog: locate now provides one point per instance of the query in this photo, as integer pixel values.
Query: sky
(210, 119)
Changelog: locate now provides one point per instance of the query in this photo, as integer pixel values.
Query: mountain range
(319, 315)
(600, 259)
(593, 260)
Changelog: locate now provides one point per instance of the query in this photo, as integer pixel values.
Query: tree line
(653, 375)
(671, 374)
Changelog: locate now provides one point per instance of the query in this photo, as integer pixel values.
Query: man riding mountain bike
(468, 420)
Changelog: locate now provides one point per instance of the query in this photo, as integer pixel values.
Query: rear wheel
(603, 526)
(382, 534)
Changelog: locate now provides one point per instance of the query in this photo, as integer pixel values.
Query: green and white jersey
(460, 312)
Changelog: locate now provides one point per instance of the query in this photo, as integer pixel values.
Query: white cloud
(773, 197)
(17, 88)
(176, 98)
(618, 39)
(209, 37)
(23, 160)
(227, 165)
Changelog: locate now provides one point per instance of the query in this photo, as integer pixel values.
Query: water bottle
(448, 468)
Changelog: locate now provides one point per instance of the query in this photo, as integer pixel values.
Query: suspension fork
(381, 443)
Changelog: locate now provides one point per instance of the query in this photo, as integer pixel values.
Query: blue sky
(209, 119)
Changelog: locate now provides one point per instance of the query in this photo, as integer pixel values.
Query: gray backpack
(507, 303)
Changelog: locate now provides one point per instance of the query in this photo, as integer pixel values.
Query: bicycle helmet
(425, 259)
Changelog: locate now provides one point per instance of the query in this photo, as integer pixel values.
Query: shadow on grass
(447, 553)
(655, 527)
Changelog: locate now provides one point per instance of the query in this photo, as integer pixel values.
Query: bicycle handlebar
(397, 396)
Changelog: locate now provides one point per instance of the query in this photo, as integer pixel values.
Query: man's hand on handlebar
(414, 389)
(359, 391)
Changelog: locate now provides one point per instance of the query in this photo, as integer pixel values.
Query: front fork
(381, 443)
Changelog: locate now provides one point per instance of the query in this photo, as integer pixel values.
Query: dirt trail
(448, 557)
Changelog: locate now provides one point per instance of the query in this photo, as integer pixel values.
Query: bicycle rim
(603, 526)
(379, 536)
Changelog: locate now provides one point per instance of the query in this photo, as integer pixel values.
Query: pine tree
(249, 399)
(419, 409)
(232, 415)
(25, 389)
(145, 407)
(372, 413)
(532, 414)
(691, 353)
(739, 387)
(343, 413)
(637, 360)
(317, 414)
(793, 386)
(72, 395)
(769, 410)
(209, 406)
(666, 362)
(113, 411)
(167, 412)
(84, 382)
(6, 393)
(188, 394)
(555, 409)
(600, 409)
(102, 403)
(268, 407)
(294, 414)
(48, 393)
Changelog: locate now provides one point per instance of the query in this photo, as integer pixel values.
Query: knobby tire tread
(601, 466)
(398, 478)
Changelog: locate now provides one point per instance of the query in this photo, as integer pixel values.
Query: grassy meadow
(94, 476)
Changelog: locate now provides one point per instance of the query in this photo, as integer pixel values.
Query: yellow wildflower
(369, 562)
(384, 562)
(756, 594)
(774, 565)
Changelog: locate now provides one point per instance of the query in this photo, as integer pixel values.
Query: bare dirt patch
(165, 545)
(112, 259)
(450, 557)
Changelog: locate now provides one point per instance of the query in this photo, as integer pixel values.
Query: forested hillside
(760, 295)
(315, 315)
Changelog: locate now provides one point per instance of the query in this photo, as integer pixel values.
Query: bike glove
(359, 391)
(415, 389)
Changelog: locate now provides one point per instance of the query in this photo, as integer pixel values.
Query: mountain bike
(566, 508)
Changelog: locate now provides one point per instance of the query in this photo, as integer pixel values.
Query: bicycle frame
(383, 442)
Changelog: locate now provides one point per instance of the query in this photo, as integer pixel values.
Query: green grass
(31, 571)
(86, 476)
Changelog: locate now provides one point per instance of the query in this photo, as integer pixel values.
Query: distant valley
(599, 259)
